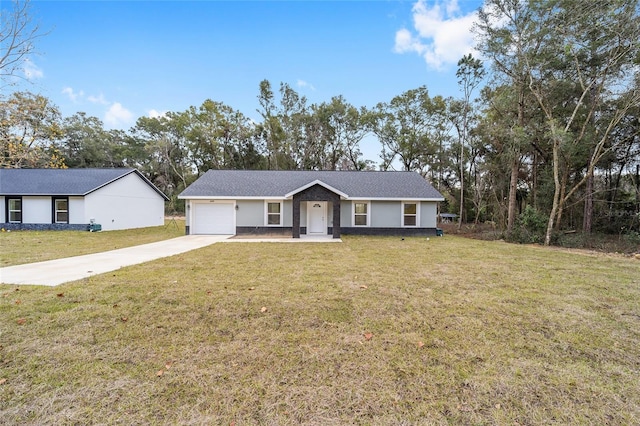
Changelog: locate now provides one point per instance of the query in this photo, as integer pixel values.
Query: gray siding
(287, 206)
(428, 214)
(250, 213)
(385, 214)
(345, 213)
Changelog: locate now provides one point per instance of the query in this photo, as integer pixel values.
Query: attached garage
(213, 218)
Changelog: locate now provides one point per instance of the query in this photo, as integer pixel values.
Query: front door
(317, 218)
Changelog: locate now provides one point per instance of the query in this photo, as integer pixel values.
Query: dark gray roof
(74, 182)
(271, 183)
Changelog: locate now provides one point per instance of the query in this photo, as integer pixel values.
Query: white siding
(2, 210)
(36, 209)
(126, 203)
(76, 210)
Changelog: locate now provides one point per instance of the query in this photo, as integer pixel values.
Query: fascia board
(228, 197)
(394, 199)
(317, 182)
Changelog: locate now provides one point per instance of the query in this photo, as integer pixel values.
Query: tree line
(544, 137)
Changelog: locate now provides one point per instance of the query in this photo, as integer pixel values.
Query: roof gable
(316, 182)
(279, 184)
(74, 182)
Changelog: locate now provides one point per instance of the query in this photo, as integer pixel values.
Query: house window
(360, 214)
(14, 210)
(409, 214)
(274, 213)
(60, 210)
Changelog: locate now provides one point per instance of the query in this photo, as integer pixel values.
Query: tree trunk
(556, 193)
(461, 184)
(513, 192)
(588, 206)
(561, 199)
(534, 178)
(638, 189)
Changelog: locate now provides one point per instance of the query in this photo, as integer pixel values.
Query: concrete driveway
(55, 272)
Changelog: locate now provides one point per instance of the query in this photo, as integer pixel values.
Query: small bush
(529, 228)
(632, 238)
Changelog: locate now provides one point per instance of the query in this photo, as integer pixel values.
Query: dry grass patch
(20, 247)
(370, 331)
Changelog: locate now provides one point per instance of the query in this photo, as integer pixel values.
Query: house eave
(317, 182)
(395, 199)
(229, 197)
(287, 197)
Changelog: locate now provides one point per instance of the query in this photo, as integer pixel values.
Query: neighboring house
(311, 203)
(73, 198)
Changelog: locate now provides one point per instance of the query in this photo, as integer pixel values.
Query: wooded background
(543, 138)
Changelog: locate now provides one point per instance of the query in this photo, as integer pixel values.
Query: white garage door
(213, 218)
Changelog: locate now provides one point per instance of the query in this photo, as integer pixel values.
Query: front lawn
(20, 247)
(370, 331)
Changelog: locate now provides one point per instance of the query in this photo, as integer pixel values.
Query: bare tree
(17, 35)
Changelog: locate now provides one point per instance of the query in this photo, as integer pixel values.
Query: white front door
(317, 218)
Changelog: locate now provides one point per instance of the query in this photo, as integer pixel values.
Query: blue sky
(120, 60)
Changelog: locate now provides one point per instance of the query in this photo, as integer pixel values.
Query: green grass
(20, 247)
(462, 332)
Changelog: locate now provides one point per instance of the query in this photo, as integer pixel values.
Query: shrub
(529, 228)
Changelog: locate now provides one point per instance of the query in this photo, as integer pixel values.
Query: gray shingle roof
(74, 182)
(271, 183)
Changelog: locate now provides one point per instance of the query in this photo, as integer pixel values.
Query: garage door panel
(214, 218)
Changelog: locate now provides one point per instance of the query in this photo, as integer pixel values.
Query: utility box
(95, 227)
(439, 232)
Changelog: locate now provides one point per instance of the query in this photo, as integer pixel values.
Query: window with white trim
(14, 210)
(274, 213)
(409, 214)
(61, 210)
(360, 213)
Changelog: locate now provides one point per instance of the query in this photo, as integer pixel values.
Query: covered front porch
(322, 208)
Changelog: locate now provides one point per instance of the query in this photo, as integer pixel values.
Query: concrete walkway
(55, 272)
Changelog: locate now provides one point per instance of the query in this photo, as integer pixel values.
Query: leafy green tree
(29, 129)
(217, 136)
(588, 50)
(348, 125)
(573, 59)
(408, 130)
(470, 74)
(271, 129)
(505, 31)
(85, 143)
(168, 165)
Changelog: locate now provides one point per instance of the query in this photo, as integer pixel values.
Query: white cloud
(31, 70)
(98, 99)
(72, 94)
(441, 34)
(304, 84)
(405, 42)
(117, 115)
(156, 114)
